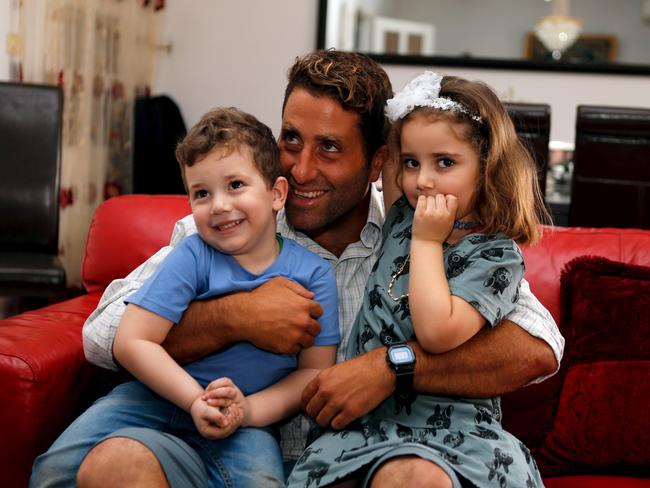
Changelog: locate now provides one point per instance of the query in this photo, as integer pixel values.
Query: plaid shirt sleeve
(100, 327)
(533, 317)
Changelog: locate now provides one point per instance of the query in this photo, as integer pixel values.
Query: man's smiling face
(322, 156)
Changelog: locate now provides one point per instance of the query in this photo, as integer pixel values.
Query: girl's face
(435, 159)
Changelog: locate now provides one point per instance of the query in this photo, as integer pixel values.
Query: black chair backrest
(30, 148)
(159, 126)
(611, 174)
(532, 122)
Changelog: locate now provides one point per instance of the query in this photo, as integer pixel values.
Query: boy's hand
(434, 217)
(224, 394)
(220, 410)
(212, 422)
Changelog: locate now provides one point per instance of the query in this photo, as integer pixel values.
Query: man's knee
(410, 471)
(120, 461)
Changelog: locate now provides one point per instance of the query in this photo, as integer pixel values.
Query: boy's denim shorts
(249, 457)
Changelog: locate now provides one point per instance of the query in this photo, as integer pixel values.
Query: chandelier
(558, 31)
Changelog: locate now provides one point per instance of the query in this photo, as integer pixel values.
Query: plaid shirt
(352, 270)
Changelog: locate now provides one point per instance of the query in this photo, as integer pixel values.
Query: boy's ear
(280, 190)
(381, 156)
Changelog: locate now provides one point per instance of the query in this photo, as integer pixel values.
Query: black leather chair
(159, 126)
(30, 148)
(532, 122)
(611, 173)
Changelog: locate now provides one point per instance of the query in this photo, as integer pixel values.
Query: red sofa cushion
(117, 243)
(598, 481)
(600, 411)
(527, 413)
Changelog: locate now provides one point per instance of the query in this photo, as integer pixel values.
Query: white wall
(237, 53)
(562, 91)
(4, 30)
(234, 53)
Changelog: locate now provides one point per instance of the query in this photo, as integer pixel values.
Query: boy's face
(232, 205)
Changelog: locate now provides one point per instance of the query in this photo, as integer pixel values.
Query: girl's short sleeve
(486, 271)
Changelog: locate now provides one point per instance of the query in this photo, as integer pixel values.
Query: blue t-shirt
(195, 270)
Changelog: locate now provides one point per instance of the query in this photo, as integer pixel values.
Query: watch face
(401, 355)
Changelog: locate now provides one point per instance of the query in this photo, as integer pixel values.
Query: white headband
(423, 91)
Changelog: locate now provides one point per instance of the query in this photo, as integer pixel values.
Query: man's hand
(346, 391)
(278, 316)
(284, 317)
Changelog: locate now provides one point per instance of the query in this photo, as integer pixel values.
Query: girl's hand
(220, 410)
(434, 217)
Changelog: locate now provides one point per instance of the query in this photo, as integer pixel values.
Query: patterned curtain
(103, 54)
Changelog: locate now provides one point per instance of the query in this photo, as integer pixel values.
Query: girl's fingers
(421, 204)
(440, 201)
(452, 204)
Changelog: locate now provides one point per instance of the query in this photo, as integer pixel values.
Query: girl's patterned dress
(462, 435)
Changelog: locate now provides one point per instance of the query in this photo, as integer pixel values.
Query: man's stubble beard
(339, 203)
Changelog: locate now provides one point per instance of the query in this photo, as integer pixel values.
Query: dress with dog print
(462, 435)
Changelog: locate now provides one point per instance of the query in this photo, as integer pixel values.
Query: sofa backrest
(528, 412)
(125, 232)
(545, 260)
(128, 229)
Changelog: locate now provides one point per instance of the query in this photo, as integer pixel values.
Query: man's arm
(280, 315)
(494, 361)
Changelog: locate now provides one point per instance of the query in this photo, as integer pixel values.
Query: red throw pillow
(602, 421)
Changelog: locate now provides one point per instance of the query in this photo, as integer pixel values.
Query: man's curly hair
(355, 81)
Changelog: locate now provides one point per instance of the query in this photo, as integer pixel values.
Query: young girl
(449, 266)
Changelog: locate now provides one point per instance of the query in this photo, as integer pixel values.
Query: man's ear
(280, 190)
(381, 156)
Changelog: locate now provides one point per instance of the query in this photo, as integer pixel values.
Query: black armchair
(611, 172)
(30, 148)
(532, 122)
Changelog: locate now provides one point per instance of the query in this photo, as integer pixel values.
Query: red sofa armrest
(45, 381)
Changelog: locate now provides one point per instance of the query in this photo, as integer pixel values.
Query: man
(332, 147)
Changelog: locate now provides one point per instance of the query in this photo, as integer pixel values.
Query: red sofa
(45, 381)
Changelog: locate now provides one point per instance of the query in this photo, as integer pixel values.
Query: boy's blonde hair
(231, 129)
(508, 198)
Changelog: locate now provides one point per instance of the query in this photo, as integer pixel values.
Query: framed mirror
(609, 37)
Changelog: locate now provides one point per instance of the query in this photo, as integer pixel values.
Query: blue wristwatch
(401, 358)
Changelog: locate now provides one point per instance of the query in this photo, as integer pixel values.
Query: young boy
(231, 171)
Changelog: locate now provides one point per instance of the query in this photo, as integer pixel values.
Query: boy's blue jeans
(248, 458)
